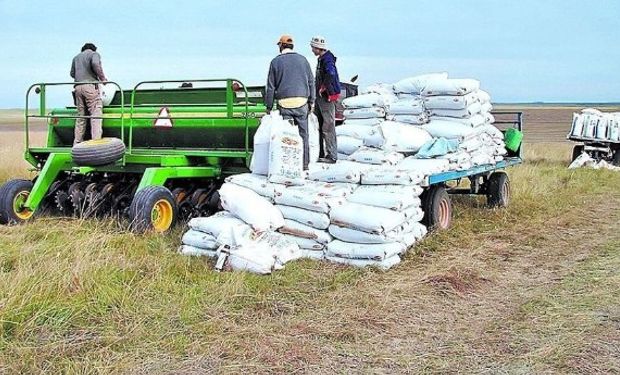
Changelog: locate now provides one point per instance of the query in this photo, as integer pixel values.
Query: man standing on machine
(328, 91)
(291, 85)
(86, 67)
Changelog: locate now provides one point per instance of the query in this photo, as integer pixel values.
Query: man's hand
(268, 111)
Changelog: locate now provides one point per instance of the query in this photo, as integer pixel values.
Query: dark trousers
(326, 113)
(300, 118)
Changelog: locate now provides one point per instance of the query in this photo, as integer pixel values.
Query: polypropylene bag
(356, 131)
(483, 96)
(448, 129)
(577, 126)
(255, 182)
(364, 101)
(416, 84)
(402, 138)
(250, 207)
(313, 138)
(192, 251)
(200, 240)
(451, 86)
(362, 263)
(473, 121)
(285, 154)
(314, 219)
(348, 145)
(366, 218)
(219, 222)
(425, 167)
(305, 243)
(312, 254)
(473, 109)
(363, 121)
(414, 228)
(406, 107)
(260, 155)
(379, 198)
(306, 198)
(395, 175)
(349, 250)
(341, 171)
(437, 147)
(301, 230)
(450, 101)
(368, 155)
(412, 190)
(364, 112)
(420, 119)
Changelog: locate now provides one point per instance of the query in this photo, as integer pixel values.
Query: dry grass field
(531, 289)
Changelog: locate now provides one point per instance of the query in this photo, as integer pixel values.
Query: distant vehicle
(597, 134)
(348, 89)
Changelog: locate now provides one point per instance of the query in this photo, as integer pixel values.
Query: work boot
(327, 160)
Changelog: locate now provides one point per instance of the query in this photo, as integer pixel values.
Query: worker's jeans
(300, 118)
(88, 103)
(326, 113)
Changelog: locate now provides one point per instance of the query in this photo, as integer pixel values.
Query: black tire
(577, 150)
(98, 152)
(615, 160)
(12, 194)
(498, 190)
(437, 208)
(153, 209)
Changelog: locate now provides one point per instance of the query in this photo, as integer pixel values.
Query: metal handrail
(229, 106)
(43, 110)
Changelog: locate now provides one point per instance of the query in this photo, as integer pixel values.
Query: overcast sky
(522, 50)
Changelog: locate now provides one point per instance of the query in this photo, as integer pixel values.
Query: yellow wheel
(161, 215)
(153, 209)
(13, 197)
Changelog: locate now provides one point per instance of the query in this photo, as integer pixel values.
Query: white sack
(402, 138)
(305, 243)
(412, 190)
(306, 198)
(341, 171)
(366, 218)
(448, 129)
(255, 182)
(391, 175)
(451, 86)
(362, 122)
(356, 131)
(312, 254)
(188, 250)
(425, 167)
(450, 101)
(304, 231)
(260, 155)
(314, 219)
(348, 145)
(219, 222)
(368, 155)
(416, 84)
(473, 109)
(364, 112)
(483, 96)
(200, 240)
(313, 138)
(285, 154)
(420, 119)
(363, 251)
(473, 121)
(250, 207)
(379, 198)
(364, 101)
(406, 107)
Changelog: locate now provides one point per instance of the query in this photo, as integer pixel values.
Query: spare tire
(97, 152)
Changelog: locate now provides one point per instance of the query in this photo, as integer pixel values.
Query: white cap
(318, 42)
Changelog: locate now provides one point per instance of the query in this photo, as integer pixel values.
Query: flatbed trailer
(597, 149)
(489, 180)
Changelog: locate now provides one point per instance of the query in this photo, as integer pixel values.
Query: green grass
(530, 289)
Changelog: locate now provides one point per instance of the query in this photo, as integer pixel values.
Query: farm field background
(534, 288)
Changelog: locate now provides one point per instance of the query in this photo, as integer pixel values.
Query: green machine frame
(156, 163)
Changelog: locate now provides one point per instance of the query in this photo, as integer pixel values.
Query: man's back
(290, 76)
(85, 65)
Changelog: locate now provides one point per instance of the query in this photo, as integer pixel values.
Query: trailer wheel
(577, 150)
(153, 209)
(13, 195)
(498, 190)
(615, 160)
(97, 152)
(437, 208)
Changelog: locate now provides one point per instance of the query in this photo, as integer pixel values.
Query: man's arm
(312, 96)
(72, 73)
(270, 89)
(332, 72)
(95, 64)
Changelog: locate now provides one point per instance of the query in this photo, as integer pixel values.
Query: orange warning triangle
(163, 118)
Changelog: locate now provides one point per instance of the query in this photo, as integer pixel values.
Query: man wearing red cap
(290, 86)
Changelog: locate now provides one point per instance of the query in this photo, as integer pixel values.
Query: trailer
(597, 134)
(488, 180)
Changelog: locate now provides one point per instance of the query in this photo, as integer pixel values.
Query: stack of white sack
(366, 110)
(243, 237)
(379, 222)
(306, 213)
(592, 124)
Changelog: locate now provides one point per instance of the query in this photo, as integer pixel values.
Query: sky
(521, 51)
